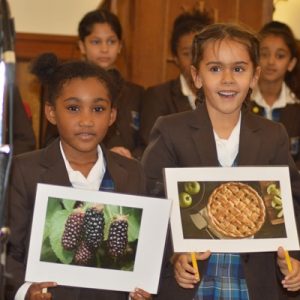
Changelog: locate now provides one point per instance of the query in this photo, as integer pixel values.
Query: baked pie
(236, 210)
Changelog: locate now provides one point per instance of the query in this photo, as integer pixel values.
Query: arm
(157, 156)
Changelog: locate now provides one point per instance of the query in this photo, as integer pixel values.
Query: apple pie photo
(231, 210)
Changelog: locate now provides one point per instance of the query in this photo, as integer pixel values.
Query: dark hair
(186, 23)
(282, 30)
(101, 16)
(220, 32)
(53, 75)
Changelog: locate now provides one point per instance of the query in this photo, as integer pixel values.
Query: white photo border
(237, 174)
(149, 253)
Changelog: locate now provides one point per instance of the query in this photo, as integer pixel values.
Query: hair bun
(44, 66)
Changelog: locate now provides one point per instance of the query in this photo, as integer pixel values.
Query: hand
(122, 151)
(140, 294)
(185, 274)
(35, 292)
(291, 280)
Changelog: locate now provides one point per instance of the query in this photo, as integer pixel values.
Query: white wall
(288, 11)
(49, 16)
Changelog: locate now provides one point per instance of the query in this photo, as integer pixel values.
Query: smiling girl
(221, 132)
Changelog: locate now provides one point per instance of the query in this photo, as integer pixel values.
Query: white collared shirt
(227, 150)
(186, 91)
(94, 179)
(78, 180)
(286, 97)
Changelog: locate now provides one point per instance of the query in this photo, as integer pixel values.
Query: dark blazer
(186, 140)
(47, 166)
(23, 135)
(289, 116)
(126, 129)
(161, 100)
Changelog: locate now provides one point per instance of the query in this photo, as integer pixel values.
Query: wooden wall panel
(29, 46)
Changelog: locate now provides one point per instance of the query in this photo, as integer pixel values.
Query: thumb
(280, 253)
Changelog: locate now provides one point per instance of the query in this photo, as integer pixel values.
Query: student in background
(274, 97)
(221, 132)
(100, 42)
(178, 94)
(81, 104)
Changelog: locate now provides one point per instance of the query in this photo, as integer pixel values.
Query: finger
(203, 255)
(46, 284)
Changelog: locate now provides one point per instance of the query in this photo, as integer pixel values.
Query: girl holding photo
(222, 132)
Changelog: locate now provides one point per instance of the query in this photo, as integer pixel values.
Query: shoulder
(262, 124)
(28, 159)
(133, 86)
(165, 86)
(116, 161)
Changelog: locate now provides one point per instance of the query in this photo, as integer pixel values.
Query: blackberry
(93, 226)
(73, 229)
(118, 236)
(83, 254)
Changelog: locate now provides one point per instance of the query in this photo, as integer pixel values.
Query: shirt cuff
(22, 291)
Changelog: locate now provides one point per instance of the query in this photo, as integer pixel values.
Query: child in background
(100, 42)
(178, 94)
(274, 96)
(222, 132)
(81, 105)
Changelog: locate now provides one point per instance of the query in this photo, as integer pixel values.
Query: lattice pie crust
(236, 210)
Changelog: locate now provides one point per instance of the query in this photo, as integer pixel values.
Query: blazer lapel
(180, 102)
(203, 138)
(250, 140)
(52, 161)
(117, 172)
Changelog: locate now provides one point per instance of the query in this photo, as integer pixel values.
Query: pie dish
(236, 210)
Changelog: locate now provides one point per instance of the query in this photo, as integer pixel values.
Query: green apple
(192, 187)
(185, 200)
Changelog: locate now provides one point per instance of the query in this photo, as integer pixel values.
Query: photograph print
(90, 234)
(92, 239)
(237, 209)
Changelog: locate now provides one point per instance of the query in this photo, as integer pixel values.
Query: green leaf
(57, 228)
(54, 205)
(134, 224)
(47, 253)
(68, 204)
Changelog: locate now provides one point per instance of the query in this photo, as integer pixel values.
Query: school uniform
(125, 130)
(164, 99)
(187, 140)
(285, 110)
(47, 166)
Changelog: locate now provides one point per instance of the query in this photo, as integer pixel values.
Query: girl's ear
(255, 78)
(50, 113)
(292, 64)
(113, 116)
(81, 47)
(196, 78)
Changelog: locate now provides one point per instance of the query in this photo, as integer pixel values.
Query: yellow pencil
(195, 265)
(288, 260)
